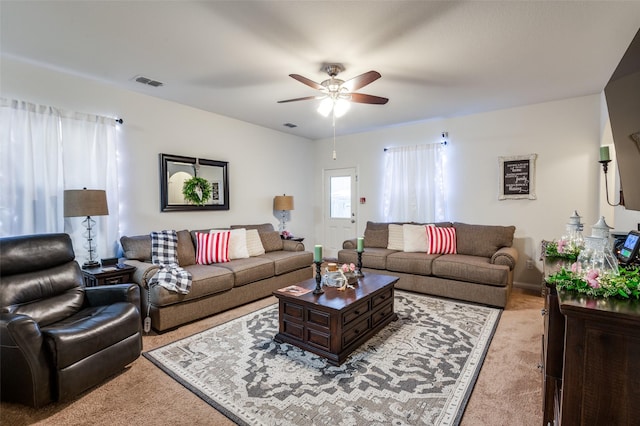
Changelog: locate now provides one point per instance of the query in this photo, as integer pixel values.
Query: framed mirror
(175, 170)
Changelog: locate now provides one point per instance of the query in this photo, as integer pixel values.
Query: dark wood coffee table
(335, 323)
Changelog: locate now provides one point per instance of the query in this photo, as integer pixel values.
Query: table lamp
(86, 202)
(284, 203)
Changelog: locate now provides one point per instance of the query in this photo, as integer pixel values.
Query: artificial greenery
(196, 191)
(624, 285)
(562, 251)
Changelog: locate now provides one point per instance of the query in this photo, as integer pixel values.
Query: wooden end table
(335, 323)
(107, 275)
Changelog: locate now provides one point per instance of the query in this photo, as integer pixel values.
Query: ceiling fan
(337, 93)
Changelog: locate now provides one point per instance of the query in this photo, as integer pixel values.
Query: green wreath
(196, 191)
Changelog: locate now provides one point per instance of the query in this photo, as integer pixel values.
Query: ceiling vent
(290, 125)
(148, 81)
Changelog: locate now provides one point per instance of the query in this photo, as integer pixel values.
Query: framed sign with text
(517, 177)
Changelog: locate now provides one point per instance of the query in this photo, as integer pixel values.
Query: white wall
(258, 165)
(565, 135)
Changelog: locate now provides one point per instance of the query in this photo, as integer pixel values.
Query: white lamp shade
(325, 107)
(341, 107)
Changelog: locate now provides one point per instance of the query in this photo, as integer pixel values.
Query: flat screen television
(622, 93)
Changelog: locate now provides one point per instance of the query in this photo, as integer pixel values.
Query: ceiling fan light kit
(338, 94)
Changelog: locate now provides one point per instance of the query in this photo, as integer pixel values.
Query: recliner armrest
(108, 294)
(25, 368)
(507, 256)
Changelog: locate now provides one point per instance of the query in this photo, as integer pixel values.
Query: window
(414, 184)
(45, 150)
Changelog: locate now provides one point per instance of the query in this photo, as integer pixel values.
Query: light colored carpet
(419, 369)
(508, 390)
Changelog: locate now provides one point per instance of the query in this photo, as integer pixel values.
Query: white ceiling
(437, 58)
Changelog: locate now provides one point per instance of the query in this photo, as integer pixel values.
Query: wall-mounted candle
(604, 153)
(317, 253)
(360, 244)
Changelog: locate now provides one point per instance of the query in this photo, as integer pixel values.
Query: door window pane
(340, 193)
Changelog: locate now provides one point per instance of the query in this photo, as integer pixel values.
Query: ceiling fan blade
(361, 80)
(301, 99)
(305, 80)
(368, 99)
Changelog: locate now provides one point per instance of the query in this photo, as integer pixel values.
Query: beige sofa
(220, 286)
(481, 271)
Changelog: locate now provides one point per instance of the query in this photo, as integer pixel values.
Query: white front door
(339, 209)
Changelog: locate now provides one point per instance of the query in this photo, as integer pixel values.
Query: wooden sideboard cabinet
(590, 360)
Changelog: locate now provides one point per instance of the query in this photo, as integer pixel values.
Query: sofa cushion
(376, 235)
(238, 244)
(139, 248)
(414, 238)
(251, 269)
(76, 338)
(411, 263)
(263, 227)
(287, 261)
(482, 240)
(474, 269)
(254, 244)
(396, 237)
(442, 240)
(271, 241)
(206, 280)
(374, 258)
(213, 247)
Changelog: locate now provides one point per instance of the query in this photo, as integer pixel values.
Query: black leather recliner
(58, 338)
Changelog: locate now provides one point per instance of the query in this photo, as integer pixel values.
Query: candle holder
(358, 272)
(318, 289)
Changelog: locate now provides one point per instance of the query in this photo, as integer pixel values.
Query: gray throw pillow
(271, 241)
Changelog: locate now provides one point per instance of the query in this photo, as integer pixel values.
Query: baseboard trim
(527, 286)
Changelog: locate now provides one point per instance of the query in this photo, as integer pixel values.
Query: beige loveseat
(481, 271)
(219, 286)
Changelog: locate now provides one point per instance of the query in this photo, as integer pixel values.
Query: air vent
(290, 125)
(148, 81)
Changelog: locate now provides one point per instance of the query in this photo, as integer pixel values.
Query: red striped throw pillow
(213, 247)
(441, 240)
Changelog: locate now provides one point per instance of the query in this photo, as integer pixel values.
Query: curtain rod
(442, 143)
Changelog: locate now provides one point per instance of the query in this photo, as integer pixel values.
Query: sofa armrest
(350, 244)
(108, 294)
(26, 377)
(507, 256)
(290, 245)
(143, 273)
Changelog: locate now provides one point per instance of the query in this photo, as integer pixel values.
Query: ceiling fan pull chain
(334, 135)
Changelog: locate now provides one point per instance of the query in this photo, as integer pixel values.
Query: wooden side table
(107, 275)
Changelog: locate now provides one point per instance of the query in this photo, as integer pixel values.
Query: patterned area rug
(419, 369)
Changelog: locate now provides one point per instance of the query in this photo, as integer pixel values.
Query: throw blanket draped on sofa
(164, 252)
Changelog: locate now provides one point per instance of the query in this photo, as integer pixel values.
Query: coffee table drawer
(293, 329)
(355, 332)
(381, 298)
(381, 314)
(294, 311)
(354, 313)
(319, 339)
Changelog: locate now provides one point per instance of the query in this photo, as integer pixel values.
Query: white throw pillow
(415, 238)
(254, 244)
(237, 244)
(396, 239)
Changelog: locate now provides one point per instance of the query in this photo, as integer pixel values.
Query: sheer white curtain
(414, 184)
(45, 150)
